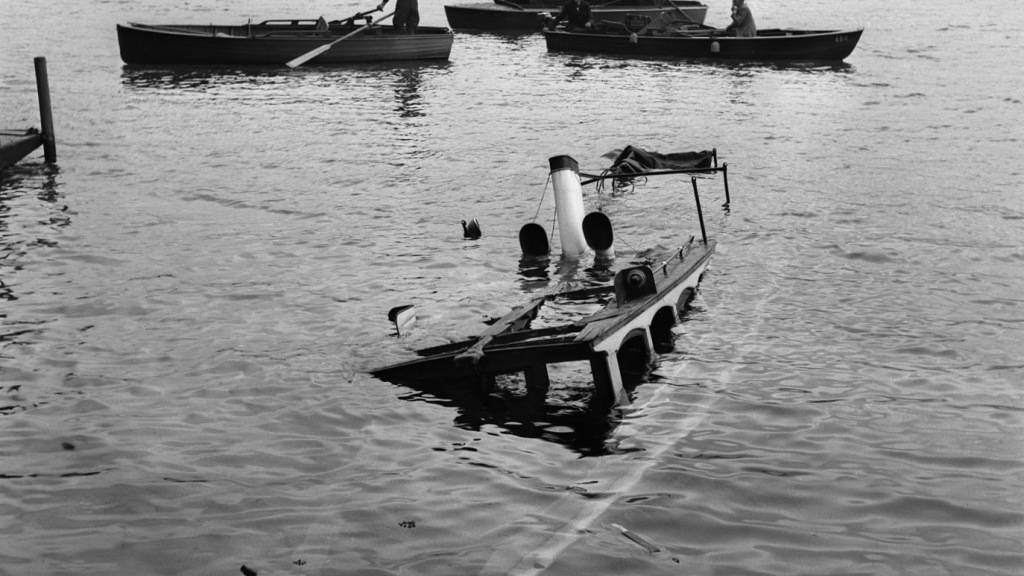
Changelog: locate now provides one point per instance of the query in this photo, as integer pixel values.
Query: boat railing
(679, 254)
(693, 172)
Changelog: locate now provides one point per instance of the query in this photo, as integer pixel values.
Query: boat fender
(533, 240)
(633, 283)
(715, 47)
(633, 38)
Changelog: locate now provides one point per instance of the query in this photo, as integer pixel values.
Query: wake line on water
(583, 513)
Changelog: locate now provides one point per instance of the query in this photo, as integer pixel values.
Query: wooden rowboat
(275, 42)
(506, 16)
(704, 42)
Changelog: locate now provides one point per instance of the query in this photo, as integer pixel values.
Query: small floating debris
(638, 539)
(471, 229)
(403, 317)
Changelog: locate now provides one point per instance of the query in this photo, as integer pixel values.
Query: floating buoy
(565, 179)
(533, 240)
(597, 230)
(471, 229)
(403, 318)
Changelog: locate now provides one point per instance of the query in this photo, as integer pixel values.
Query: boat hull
(15, 145)
(768, 45)
(498, 17)
(276, 44)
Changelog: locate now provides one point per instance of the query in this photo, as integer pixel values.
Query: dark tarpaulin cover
(632, 160)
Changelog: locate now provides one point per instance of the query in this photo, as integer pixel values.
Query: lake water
(192, 300)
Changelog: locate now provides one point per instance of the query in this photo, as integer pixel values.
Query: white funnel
(565, 178)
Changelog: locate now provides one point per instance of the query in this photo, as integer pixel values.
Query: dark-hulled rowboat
(275, 42)
(706, 43)
(509, 16)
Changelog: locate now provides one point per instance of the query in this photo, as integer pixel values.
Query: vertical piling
(45, 113)
(700, 213)
(537, 382)
(725, 180)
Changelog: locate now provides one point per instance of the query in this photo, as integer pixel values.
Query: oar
(683, 14)
(295, 63)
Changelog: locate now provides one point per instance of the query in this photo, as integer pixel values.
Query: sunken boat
(635, 312)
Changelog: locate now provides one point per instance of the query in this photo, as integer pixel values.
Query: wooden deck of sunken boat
(647, 303)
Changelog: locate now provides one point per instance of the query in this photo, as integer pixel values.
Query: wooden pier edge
(16, 144)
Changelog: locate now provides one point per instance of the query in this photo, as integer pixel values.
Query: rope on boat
(542, 194)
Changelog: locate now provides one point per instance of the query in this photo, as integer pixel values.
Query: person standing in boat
(576, 14)
(407, 16)
(742, 21)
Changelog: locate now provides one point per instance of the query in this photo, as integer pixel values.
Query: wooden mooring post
(45, 111)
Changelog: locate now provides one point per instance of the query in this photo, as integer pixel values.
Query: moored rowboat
(275, 42)
(705, 43)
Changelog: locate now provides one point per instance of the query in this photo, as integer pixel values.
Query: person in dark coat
(742, 21)
(407, 16)
(576, 14)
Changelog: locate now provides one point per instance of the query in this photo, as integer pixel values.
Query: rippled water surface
(191, 300)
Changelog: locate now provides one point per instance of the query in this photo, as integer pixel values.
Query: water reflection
(17, 183)
(561, 417)
(32, 217)
(196, 78)
(407, 92)
(199, 78)
(585, 63)
(533, 273)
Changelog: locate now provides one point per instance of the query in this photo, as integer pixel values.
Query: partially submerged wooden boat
(16, 144)
(634, 322)
(704, 42)
(276, 42)
(508, 16)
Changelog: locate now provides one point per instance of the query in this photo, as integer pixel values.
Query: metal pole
(45, 114)
(700, 213)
